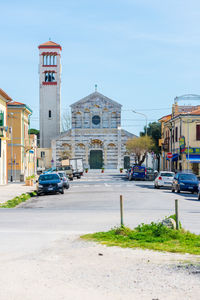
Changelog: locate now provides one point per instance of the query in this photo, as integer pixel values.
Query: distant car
(64, 178)
(164, 179)
(137, 173)
(150, 174)
(198, 190)
(49, 183)
(185, 182)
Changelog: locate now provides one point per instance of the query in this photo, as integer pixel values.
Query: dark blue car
(185, 182)
(49, 183)
(137, 173)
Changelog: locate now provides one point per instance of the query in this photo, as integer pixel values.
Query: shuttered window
(198, 132)
(176, 134)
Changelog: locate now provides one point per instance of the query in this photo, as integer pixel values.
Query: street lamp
(143, 116)
(11, 132)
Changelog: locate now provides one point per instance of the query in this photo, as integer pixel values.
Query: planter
(121, 171)
(86, 171)
(29, 182)
(102, 171)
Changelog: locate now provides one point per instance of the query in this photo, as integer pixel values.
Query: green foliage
(33, 131)
(153, 236)
(30, 177)
(154, 131)
(17, 200)
(140, 146)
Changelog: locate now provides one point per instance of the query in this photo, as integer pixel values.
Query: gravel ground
(75, 269)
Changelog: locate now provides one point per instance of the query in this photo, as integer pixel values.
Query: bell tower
(50, 80)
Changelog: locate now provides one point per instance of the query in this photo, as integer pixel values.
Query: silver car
(164, 179)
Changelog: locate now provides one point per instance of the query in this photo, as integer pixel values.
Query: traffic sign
(169, 155)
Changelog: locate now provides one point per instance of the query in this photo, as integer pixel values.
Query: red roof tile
(50, 44)
(3, 94)
(15, 103)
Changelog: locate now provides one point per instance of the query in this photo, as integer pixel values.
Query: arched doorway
(96, 159)
(126, 162)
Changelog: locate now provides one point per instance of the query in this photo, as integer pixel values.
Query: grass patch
(154, 236)
(17, 200)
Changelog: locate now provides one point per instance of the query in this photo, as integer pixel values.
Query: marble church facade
(96, 134)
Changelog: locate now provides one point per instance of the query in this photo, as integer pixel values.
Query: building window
(78, 120)
(1, 119)
(113, 120)
(49, 114)
(176, 134)
(96, 120)
(86, 120)
(198, 132)
(42, 154)
(105, 119)
(49, 77)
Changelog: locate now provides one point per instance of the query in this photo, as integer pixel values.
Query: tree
(36, 132)
(140, 147)
(154, 131)
(66, 121)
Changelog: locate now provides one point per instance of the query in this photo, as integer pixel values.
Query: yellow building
(44, 159)
(22, 146)
(180, 135)
(4, 100)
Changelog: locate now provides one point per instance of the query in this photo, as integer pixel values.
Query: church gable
(96, 100)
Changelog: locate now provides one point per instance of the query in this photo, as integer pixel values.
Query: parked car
(150, 174)
(164, 179)
(49, 183)
(64, 178)
(198, 190)
(137, 173)
(185, 182)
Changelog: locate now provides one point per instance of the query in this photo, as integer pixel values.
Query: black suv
(49, 183)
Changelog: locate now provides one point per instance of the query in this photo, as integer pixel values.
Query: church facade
(95, 136)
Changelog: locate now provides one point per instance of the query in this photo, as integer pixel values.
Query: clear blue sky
(141, 53)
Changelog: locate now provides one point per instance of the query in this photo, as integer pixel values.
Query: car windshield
(61, 174)
(167, 174)
(47, 177)
(188, 177)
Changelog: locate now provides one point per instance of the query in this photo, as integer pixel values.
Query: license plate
(190, 187)
(167, 182)
(50, 189)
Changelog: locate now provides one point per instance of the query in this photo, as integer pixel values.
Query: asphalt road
(92, 204)
(41, 256)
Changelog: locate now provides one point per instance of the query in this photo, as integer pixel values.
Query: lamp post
(11, 132)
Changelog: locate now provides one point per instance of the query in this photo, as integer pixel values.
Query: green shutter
(1, 119)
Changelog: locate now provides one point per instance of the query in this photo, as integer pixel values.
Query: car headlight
(182, 183)
(40, 186)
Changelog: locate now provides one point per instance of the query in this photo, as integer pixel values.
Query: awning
(175, 157)
(193, 158)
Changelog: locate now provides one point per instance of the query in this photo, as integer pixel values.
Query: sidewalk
(11, 190)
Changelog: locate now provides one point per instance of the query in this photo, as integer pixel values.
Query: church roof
(94, 96)
(50, 44)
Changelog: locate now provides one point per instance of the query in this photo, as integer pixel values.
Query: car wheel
(67, 187)
(198, 196)
(38, 194)
(178, 190)
(173, 190)
(62, 191)
(78, 177)
(155, 187)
